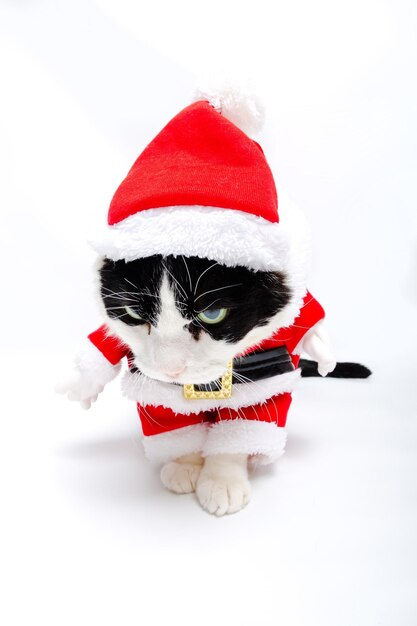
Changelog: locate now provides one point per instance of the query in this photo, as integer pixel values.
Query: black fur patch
(342, 370)
(135, 284)
(251, 298)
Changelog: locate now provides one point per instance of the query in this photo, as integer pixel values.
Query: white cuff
(89, 359)
(263, 441)
(175, 443)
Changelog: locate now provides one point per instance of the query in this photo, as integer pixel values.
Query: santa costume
(203, 188)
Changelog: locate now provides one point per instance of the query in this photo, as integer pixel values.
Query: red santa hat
(203, 188)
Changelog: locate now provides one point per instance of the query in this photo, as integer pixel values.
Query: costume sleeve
(310, 313)
(110, 346)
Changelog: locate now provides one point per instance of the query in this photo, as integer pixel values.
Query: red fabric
(157, 420)
(160, 419)
(199, 158)
(111, 347)
(310, 313)
(274, 410)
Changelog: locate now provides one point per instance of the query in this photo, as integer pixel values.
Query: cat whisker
(240, 413)
(130, 283)
(302, 327)
(119, 294)
(253, 407)
(245, 379)
(217, 289)
(217, 383)
(115, 308)
(116, 292)
(146, 292)
(128, 300)
(116, 317)
(188, 271)
(208, 307)
(122, 294)
(202, 274)
(266, 401)
(145, 379)
(195, 320)
(242, 378)
(175, 280)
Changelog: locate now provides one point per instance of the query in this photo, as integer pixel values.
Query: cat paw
(180, 477)
(220, 496)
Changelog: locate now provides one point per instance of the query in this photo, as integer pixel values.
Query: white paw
(223, 495)
(80, 386)
(180, 477)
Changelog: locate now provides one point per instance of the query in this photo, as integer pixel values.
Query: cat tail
(342, 370)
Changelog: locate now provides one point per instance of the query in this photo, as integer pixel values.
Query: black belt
(256, 366)
(252, 367)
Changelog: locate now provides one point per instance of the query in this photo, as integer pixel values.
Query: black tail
(342, 370)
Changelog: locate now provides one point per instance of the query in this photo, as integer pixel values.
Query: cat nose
(174, 373)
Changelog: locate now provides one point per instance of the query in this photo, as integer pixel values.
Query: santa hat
(203, 188)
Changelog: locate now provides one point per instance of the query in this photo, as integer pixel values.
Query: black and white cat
(182, 320)
(202, 284)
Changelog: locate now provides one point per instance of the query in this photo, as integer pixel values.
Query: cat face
(185, 318)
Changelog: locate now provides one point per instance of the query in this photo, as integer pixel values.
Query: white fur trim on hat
(175, 443)
(225, 235)
(228, 236)
(264, 441)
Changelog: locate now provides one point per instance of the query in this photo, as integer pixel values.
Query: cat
(179, 320)
(202, 280)
(183, 319)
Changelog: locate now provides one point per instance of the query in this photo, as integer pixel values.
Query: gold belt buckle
(191, 393)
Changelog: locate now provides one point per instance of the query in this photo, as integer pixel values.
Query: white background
(90, 536)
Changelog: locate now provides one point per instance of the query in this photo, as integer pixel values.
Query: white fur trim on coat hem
(263, 441)
(151, 392)
(175, 443)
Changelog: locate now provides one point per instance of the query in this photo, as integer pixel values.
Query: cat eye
(212, 316)
(132, 313)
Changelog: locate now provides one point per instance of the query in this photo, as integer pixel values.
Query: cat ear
(237, 104)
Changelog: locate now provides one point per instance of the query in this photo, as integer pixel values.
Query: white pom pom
(237, 104)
